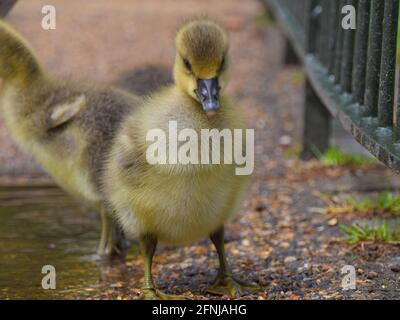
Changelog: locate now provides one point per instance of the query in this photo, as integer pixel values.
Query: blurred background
(287, 235)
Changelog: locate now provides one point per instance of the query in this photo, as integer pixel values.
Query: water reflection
(46, 227)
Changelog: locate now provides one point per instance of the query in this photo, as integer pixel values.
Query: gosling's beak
(208, 94)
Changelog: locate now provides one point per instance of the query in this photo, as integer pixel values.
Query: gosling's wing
(63, 113)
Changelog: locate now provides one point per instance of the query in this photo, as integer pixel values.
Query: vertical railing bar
(317, 13)
(339, 42)
(316, 29)
(325, 33)
(347, 59)
(373, 59)
(300, 6)
(388, 63)
(332, 21)
(302, 12)
(360, 51)
(6, 6)
(396, 117)
(311, 24)
(315, 113)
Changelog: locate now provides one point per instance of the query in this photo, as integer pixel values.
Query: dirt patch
(276, 240)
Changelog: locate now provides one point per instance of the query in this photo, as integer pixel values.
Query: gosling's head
(201, 62)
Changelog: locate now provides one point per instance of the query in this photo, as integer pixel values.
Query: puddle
(43, 226)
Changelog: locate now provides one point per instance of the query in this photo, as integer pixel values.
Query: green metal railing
(5, 6)
(350, 72)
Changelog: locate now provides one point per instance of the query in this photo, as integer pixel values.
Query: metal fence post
(317, 125)
(5, 6)
(388, 63)
(316, 132)
(290, 56)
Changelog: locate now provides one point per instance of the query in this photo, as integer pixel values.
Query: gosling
(67, 127)
(179, 203)
(92, 140)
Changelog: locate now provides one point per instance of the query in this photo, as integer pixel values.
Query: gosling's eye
(187, 64)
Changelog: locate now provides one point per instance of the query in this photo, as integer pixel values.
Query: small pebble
(261, 207)
(51, 245)
(372, 275)
(285, 141)
(395, 267)
(289, 259)
(333, 222)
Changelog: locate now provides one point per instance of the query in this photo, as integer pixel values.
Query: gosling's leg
(226, 282)
(113, 243)
(148, 245)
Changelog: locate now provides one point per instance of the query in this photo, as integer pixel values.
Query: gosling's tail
(18, 64)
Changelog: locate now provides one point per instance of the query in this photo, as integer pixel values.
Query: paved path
(277, 238)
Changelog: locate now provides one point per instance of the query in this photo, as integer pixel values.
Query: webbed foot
(232, 286)
(154, 294)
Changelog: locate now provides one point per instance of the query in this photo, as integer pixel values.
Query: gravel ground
(277, 238)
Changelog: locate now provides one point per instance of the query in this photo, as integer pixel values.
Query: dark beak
(208, 94)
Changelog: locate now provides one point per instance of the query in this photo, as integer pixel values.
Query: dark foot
(113, 244)
(233, 287)
(154, 294)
